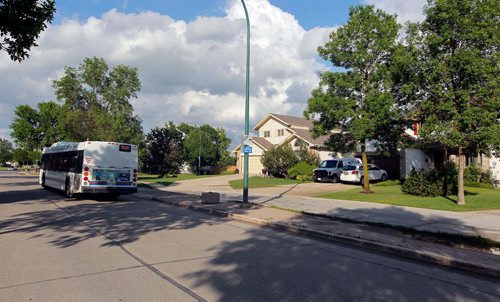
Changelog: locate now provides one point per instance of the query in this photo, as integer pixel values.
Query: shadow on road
(317, 271)
(123, 221)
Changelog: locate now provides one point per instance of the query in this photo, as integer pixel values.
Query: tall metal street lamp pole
(247, 104)
(199, 151)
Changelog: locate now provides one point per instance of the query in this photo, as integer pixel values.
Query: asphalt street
(58, 249)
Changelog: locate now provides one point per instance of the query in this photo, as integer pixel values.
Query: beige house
(277, 130)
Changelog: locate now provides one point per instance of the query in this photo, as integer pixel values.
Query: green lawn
(476, 199)
(262, 182)
(168, 179)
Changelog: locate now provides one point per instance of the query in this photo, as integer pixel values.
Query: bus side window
(79, 161)
(76, 161)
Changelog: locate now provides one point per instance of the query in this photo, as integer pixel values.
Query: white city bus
(90, 167)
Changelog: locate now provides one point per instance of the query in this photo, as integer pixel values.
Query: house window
(267, 133)
(281, 132)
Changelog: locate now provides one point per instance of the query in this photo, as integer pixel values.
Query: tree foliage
(457, 56)
(5, 151)
(308, 156)
(34, 128)
(206, 146)
(162, 150)
(97, 104)
(358, 101)
(21, 22)
(26, 157)
(278, 160)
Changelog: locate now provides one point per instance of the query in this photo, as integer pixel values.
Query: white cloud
(406, 10)
(191, 72)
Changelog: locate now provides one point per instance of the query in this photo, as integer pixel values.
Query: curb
(353, 241)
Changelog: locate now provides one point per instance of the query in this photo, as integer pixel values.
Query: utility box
(210, 197)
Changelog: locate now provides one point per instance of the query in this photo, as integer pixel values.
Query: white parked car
(354, 173)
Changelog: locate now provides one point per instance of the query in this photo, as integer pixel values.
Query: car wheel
(383, 178)
(335, 178)
(67, 189)
(362, 181)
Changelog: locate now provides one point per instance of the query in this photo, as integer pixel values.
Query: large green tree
(206, 146)
(35, 128)
(357, 100)
(277, 161)
(26, 157)
(97, 102)
(21, 22)
(162, 150)
(5, 151)
(457, 46)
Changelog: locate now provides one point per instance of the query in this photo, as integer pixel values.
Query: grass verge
(476, 199)
(167, 180)
(262, 182)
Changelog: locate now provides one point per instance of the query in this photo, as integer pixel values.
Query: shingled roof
(289, 121)
(263, 142)
(307, 136)
(294, 120)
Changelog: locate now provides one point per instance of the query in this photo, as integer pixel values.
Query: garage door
(254, 165)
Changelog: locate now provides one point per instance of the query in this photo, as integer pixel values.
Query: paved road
(57, 249)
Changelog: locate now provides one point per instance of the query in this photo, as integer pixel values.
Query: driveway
(221, 184)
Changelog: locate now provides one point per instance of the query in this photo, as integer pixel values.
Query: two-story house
(276, 130)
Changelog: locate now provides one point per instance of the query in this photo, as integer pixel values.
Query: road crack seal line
(103, 272)
(138, 259)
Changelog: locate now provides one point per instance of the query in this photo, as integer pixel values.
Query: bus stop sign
(247, 149)
(247, 146)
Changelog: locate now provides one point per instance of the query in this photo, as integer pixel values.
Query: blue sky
(190, 55)
(309, 13)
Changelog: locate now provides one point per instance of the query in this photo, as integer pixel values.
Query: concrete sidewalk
(480, 223)
(382, 239)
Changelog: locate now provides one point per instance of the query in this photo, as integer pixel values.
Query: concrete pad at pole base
(210, 197)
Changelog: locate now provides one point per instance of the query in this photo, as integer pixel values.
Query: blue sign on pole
(247, 149)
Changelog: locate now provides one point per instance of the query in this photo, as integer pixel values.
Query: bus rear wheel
(43, 182)
(67, 189)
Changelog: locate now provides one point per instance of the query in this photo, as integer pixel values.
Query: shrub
(432, 182)
(278, 160)
(474, 175)
(301, 171)
(422, 183)
(388, 183)
(307, 156)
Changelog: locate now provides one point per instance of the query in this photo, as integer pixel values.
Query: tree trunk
(366, 179)
(461, 167)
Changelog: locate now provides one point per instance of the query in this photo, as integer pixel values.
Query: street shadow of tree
(267, 265)
(400, 217)
(20, 196)
(121, 222)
